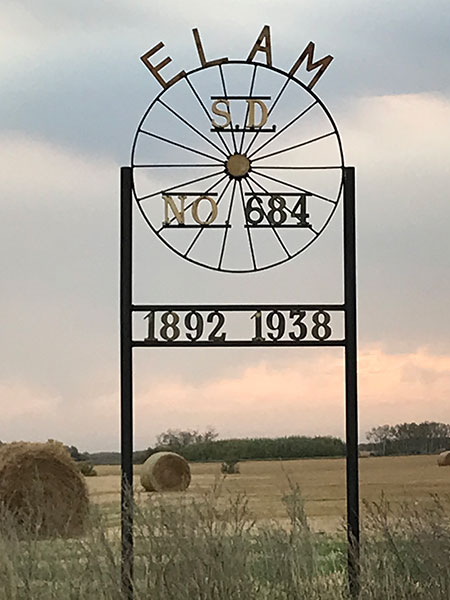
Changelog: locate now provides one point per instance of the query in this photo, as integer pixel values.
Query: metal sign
(237, 166)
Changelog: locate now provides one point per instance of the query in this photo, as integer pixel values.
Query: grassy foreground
(206, 548)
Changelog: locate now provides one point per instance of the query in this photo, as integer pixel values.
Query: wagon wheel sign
(238, 166)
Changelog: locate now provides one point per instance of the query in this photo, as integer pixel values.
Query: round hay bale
(443, 460)
(41, 489)
(165, 472)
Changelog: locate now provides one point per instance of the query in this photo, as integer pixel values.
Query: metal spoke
(199, 133)
(184, 183)
(295, 187)
(311, 141)
(177, 166)
(211, 187)
(265, 215)
(199, 233)
(231, 121)
(249, 234)
(275, 102)
(301, 168)
(248, 109)
(158, 137)
(225, 234)
(294, 120)
(202, 104)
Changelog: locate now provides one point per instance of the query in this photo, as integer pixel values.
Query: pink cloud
(402, 125)
(304, 396)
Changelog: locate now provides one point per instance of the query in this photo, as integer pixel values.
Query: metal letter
(179, 214)
(155, 69)
(201, 53)
(267, 48)
(222, 113)
(251, 112)
(308, 53)
(212, 217)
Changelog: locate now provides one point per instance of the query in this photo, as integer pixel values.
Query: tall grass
(211, 549)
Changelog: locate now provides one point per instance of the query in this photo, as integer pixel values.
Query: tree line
(265, 448)
(202, 447)
(428, 437)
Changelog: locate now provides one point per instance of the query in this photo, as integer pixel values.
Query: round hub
(238, 166)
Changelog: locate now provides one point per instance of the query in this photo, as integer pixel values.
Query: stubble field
(321, 481)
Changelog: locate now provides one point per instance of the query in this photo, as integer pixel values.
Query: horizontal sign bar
(236, 343)
(274, 194)
(241, 129)
(238, 325)
(198, 226)
(240, 97)
(235, 307)
(197, 194)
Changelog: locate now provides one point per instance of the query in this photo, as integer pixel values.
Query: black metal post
(126, 380)
(351, 388)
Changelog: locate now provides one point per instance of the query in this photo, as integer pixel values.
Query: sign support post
(126, 379)
(351, 392)
(349, 342)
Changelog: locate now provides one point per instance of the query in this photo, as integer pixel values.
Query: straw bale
(165, 472)
(443, 459)
(41, 487)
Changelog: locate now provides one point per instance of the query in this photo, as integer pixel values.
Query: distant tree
(410, 438)
(140, 456)
(103, 458)
(209, 435)
(74, 453)
(380, 435)
(177, 439)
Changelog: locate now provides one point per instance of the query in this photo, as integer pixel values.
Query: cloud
(58, 258)
(42, 173)
(50, 17)
(22, 403)
(399, 146)
(32, 414)
(82, 58)
(305, 396)
(404, 134)
(403, 387)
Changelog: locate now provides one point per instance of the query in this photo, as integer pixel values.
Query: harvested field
(322, 482)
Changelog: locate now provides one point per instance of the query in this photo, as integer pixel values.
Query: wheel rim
(232, 167)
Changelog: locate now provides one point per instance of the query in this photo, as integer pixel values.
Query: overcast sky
(73, 91)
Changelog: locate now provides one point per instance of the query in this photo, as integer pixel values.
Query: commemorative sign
(237, 166)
